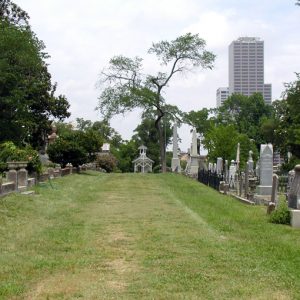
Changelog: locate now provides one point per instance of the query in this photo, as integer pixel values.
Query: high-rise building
(221, 95)
(246, 68)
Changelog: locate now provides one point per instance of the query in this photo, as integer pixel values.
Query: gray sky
(81, 37)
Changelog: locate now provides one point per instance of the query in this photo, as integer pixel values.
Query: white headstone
(265, 169)
(219, 165)
(232, 171)
(194, 164)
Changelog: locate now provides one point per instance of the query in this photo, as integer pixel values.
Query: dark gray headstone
(294, 193)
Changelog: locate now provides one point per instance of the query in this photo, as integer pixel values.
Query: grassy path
(127, 236)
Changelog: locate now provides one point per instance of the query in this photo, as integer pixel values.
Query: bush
(281, 215)
(64, 152)
(108, 162)
(10, 152)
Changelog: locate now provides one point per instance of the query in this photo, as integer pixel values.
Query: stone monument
(219, 165)
(265, 170)
(175, 165)
(194, 165)
(251, 163)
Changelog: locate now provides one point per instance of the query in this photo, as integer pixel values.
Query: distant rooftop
(247, 39)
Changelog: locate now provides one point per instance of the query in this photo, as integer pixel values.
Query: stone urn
(13, 165)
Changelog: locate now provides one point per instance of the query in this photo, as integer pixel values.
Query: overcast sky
(81, 37)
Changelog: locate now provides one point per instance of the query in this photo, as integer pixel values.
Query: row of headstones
(18, 180)
(263, 170)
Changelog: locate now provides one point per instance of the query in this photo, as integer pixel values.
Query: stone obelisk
(194, 165)
(175, 160)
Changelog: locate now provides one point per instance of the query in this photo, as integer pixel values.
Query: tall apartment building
(221, 95)
(246, 68)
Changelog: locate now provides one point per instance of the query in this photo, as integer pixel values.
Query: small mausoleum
(143, 164)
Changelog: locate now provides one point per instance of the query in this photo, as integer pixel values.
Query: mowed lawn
(130, 236)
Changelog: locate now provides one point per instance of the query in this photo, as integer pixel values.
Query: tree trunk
(162, 148)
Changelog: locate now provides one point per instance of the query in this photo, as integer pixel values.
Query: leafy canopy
(125, 87)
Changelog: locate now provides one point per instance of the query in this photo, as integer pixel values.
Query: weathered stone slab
(22, 178)
(294, 193)
(8, 187)
(295, 218)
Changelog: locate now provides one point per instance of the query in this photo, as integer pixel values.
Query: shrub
(64, 152)
(10, 152)
(281, 215)
(108, 162)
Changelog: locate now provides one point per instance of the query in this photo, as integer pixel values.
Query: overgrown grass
(129, 236)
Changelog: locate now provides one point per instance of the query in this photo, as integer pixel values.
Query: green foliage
(107, 161)
(10, 152)
(86, 137)
(281, 215)
(125, 154)
(124, 87)
(64, 151)
(199, 119)
(12, 13)
(27, 100)
(246, 114)
(147, 135)
(221, 141)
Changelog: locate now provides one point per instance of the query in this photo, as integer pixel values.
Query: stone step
(22, 188)
(28, 193)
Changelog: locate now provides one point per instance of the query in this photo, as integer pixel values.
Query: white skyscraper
(221, 95)
(246, 68)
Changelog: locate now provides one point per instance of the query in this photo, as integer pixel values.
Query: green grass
(129, 236)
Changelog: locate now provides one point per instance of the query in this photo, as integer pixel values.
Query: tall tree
(27, 96)
(147, 135)
(246, 114)
(127, 88)
(13, 14)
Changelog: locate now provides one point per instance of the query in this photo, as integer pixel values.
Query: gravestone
(210, 167)
(22, 179)
(237, 160)
(247, 181)
(219, 167)
(12, 176)
(294, 193)
(266, 170)
(250, 162)
(257, 168)
(232, 171)
(274, 196)
(226, 172)
(291, 176)
(175, 165)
